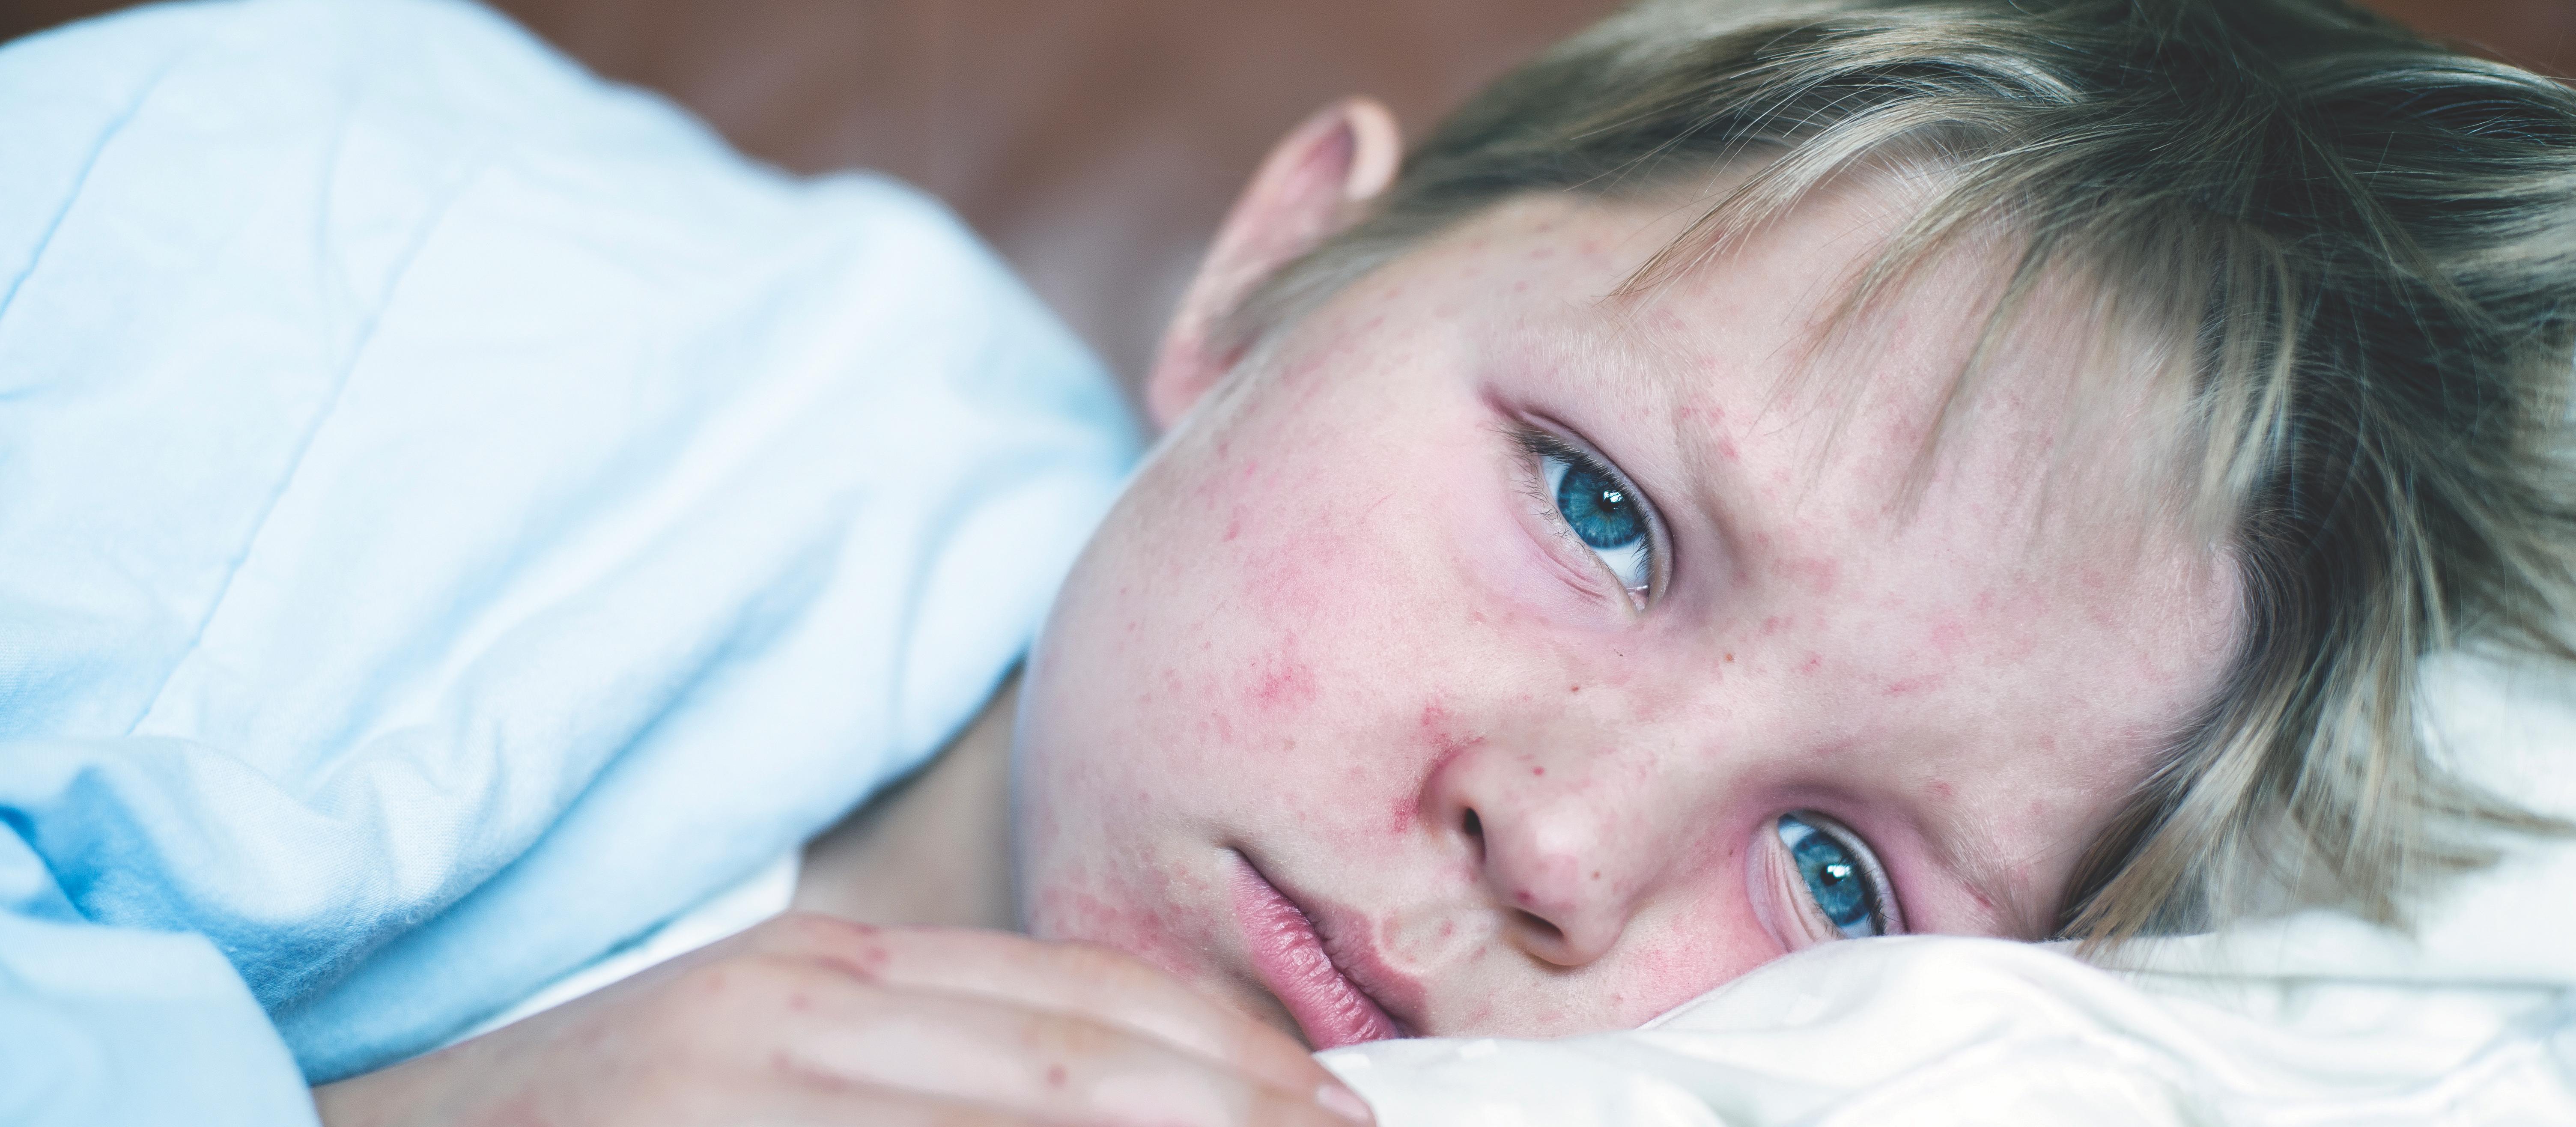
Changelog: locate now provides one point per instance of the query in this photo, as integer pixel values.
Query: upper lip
(1349, 950)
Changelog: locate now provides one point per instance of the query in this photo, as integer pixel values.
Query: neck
(935, 848)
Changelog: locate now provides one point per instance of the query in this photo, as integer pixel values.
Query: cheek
(1134, 908)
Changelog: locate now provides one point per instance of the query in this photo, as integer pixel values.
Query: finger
(861, 1107)
(1096, 982)
(850, 1034)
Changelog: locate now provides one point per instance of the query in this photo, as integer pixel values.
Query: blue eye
(1601, 510)
(1841, 877)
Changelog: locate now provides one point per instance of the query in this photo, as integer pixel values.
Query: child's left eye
(1843, 880)
(1601, 509)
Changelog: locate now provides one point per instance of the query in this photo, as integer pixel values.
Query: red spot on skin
(1726, 450)
(1911, 685)
(1435, 722)
(1818, 573)
(1402, 817)
(1813, 663)
(1523, 896)
(1941, 788)
(1730, 655)
(1574, 688)
(1284, 684)
(1777, 623)
(1233, 528)
(1055, 1076)
(1538, 770)
(1948, 636)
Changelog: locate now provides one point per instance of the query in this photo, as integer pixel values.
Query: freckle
(1730, 655)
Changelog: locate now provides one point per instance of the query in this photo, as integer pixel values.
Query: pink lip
(1290, 958)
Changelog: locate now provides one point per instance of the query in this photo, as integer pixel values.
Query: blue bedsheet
(453, 515)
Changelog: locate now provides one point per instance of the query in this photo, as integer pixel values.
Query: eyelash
(1883, 909)
(1540, 445)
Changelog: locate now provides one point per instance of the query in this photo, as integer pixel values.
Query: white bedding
(2310, 1019)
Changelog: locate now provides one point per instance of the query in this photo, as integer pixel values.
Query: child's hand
(811, 1020)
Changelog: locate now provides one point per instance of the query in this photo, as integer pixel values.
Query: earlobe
(1313, 184)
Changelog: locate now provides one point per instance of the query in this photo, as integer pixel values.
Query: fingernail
(1344, 1102)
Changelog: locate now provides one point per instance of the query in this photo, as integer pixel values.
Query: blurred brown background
(1097, 142)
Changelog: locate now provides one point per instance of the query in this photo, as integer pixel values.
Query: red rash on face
(1817, 574)
(1284, 681)
(1361, 641)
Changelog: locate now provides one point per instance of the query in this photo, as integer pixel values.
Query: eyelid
(1538, 442)
(1882, 889)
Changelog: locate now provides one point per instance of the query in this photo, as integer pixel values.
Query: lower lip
(1290, 958)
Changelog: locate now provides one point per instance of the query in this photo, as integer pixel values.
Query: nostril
(1538, 926)
(1474, 828)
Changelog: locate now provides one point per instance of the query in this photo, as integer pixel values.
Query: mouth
(1293, 961)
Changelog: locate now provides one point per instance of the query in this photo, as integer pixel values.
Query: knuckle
(807, 931)
(861, 951)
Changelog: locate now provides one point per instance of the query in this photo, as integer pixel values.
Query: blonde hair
(2360, 249)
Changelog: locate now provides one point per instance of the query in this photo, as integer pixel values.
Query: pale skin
(1336, 633)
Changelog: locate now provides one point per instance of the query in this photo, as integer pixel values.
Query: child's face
(1339, 633)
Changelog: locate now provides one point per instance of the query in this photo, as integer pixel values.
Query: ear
(1307, 189)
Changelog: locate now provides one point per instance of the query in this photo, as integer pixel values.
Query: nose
(1564, 845)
